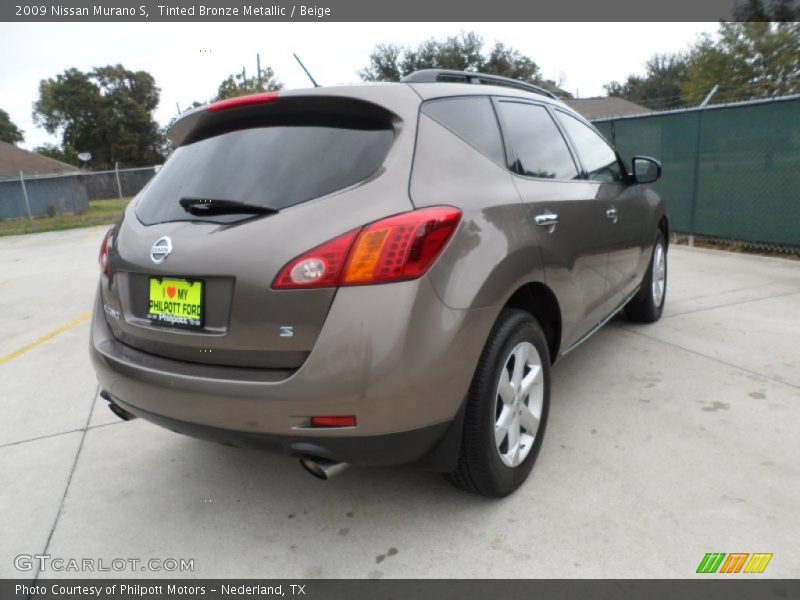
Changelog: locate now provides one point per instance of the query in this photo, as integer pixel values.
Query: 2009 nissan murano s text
(375, 274)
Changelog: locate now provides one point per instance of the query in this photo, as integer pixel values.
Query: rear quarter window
(278, 166)
(473, 120)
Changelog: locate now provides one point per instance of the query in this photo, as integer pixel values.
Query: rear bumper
(402, 370)
(434, 447)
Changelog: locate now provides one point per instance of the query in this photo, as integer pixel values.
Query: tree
(758, 58)
(754, 10)
(510, 62)
(54, 151)
(660, 87)
(240, 85)
(384, 64)
(9, 132)
(459, 52)
(463, 52)
(107, 111)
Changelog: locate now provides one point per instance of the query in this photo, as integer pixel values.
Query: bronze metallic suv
(375, 274)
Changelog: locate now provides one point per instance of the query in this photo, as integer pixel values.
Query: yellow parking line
(47, 336)
(95, 231)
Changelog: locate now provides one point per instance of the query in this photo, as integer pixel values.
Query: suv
(375, 274)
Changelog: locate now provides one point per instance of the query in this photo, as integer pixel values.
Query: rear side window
(599, 160)
(277, 167)
(539, 148)
(471, 119)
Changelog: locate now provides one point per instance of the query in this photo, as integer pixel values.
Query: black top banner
(370, 10)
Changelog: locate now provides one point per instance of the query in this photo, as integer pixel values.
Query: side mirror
(645, 169)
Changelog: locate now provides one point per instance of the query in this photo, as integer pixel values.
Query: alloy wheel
(659, 274)
(518, 404)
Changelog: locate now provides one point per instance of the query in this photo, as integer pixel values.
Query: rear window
(277, 167)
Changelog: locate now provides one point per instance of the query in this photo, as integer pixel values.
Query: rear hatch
(194, 284)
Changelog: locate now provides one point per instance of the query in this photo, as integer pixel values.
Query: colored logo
(735, 562)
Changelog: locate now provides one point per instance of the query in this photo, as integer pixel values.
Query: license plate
(176, 302)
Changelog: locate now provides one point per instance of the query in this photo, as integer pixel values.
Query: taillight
(400, 247)
(320, 267)
(241, 101)
(394, 249)
(103, 256)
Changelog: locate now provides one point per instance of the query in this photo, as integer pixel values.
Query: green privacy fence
(730, 171)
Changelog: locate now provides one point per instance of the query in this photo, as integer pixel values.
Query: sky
(189, 60)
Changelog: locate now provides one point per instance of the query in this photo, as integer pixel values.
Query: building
(13, 160)
(50, 186)
(602, 108)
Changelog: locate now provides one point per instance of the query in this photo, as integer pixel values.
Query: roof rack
(450, 76)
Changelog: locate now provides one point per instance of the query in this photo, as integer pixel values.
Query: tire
(484, 466)
(646, 306)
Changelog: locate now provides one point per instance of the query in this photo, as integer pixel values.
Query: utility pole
(258, 68)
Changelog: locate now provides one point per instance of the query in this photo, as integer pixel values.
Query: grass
(100, 212)
(762, 249)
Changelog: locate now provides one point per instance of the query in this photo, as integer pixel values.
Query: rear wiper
(211, 206)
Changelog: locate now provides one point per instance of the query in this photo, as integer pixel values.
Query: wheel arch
(539, 300)
(663, 225)
(535, 298)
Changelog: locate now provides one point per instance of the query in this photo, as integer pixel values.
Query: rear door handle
(612, 214)
(549, 220)
(546, 219)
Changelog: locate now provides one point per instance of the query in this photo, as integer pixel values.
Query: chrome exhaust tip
(120, 412)
(322, 468)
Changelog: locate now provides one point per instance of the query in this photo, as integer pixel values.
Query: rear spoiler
(271, 108)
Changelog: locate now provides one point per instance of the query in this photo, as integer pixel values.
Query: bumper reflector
(347, 421)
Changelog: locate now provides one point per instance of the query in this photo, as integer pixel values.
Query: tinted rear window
(277, 167)
(471, 119)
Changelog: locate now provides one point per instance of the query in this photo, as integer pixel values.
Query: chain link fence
(31, 196)
(731, 172)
